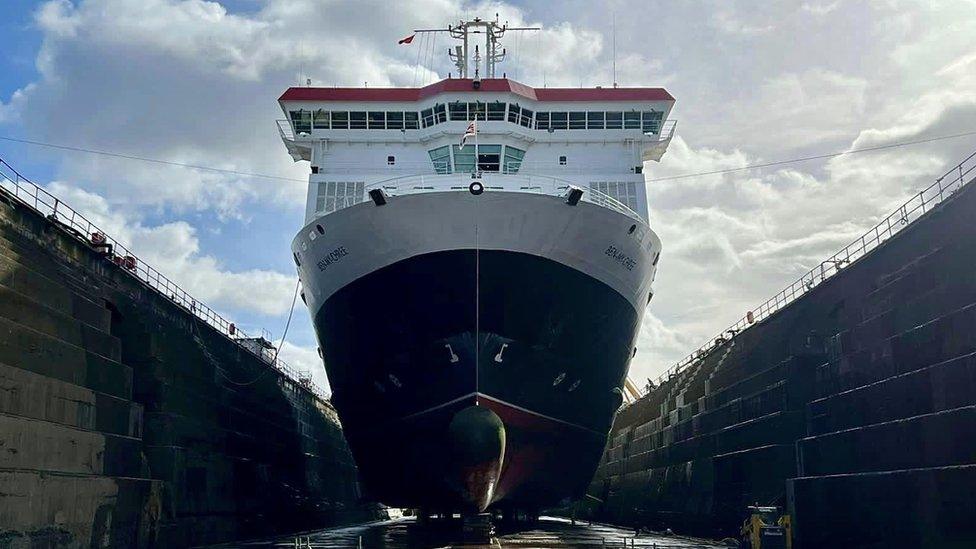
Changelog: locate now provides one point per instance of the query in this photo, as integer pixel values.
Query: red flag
(407, 40)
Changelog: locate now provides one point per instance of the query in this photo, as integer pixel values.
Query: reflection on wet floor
(406, 533)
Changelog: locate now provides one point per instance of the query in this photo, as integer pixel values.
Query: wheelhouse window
(458, 111)
(440, 113)
(427, 117)
(496, 111)
(632, 120)
(577, 120)
(651, 121)
(394, 120)
(526, 118)
(513, 159)
(301, 121)
(615, 120)
(441, 159)
(340, 120)
(542, 121)
(320, 120)
(559, 120)
(410, 121)
(595, 120)
(476, 110)
(377, 120)
(357, 121)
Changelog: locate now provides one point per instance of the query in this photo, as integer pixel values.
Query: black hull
(544, 346)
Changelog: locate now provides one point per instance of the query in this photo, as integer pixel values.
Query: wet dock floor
(406, 533)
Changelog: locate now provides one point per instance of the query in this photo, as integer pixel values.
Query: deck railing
(911, 210)
(535, 184)
(49, 206)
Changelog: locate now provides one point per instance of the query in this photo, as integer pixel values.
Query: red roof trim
(495, 85)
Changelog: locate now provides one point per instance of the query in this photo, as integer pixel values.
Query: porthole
(632, 229)
(320, 229)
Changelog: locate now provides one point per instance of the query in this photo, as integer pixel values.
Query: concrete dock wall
(125, 421)
(851, 408)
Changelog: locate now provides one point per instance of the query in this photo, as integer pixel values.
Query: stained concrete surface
(407, 533)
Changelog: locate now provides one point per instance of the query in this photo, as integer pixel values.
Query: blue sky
(197, 82)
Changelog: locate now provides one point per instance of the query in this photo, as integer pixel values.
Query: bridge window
(440, 113)
(595, 120)
(559, 120)
(632, 120)
(410, 121)
(394, 120)
(459, 111)
(441, 159)
(652, 121)
(513, 159)
(427, 117)
(301, 121)
(377, 120)
(496, 111)
(615, 120)
(463, 158)
(577, 120)
(476, 110)
(320, 120)
(357, 121)
(542, 120)
(340, 120)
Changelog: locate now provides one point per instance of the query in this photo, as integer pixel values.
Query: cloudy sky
(196, 82)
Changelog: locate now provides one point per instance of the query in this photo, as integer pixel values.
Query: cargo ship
(476, 260)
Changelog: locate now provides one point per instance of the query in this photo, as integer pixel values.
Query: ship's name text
(334, 257)
(623, 259)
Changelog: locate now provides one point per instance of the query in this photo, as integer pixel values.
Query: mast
(493, 54)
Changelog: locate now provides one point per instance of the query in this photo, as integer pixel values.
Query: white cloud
(173, 249)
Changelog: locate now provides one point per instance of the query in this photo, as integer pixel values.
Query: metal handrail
(921, 202)
(534, 184)
(33, 196)
(532, 167)
(287, 129)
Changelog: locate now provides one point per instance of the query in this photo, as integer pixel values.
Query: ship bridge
(407, 140)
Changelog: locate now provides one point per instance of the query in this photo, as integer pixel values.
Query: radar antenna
(494, 54)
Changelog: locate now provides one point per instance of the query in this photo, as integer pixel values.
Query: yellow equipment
(764, 529)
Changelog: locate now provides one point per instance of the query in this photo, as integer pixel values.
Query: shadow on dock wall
(125, 421)
(851, 405)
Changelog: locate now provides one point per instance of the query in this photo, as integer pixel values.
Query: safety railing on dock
(920, 203)
(36, 197)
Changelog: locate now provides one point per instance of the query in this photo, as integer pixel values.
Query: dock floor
(406, 533)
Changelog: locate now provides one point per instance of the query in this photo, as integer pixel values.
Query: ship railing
(411, 167)
(663, 129)
(52, 208)
(492, 181)
(915, 207)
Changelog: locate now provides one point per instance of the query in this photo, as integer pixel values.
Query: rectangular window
(440, 114)
(476, 111)
(377, 120)
(320, 120)
(463, 158)
(559, 120)
(652, 122)
(340, 120)
(595, 120)
(542, 121)
(394, 120)
(632, 120)
(335, 195)
(513, 159)
(624, 192)
(410, 121)
(615, 120)
(577, 120)
(496, 111)
(526, 118)
(357, 121)
(513, 114)
(441, 159)
(427, 117)
(459, 111)
(489, 157)
(301, 121)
